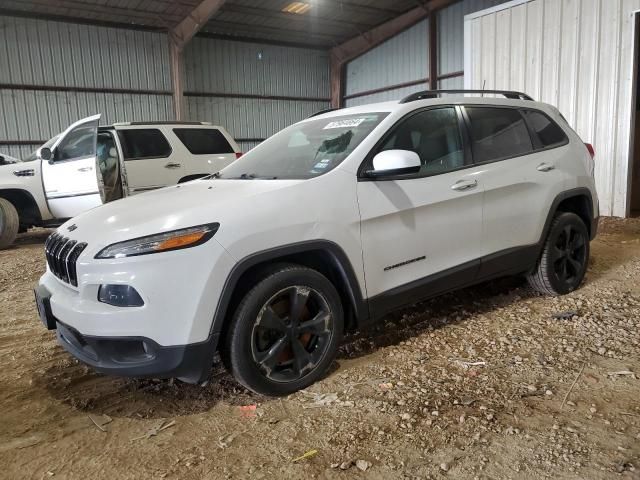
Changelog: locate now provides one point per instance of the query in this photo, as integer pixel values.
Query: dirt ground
(483, 383)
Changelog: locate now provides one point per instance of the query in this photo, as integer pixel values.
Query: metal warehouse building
(255, 67)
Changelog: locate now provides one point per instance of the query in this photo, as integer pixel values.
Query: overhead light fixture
(297, 7)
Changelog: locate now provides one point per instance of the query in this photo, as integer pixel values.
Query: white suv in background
(87, 165)
(326, 226)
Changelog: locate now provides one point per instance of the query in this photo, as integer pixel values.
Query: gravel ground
(490, 382)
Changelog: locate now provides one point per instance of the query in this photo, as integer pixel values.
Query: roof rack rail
(320, 112)
(436, 93)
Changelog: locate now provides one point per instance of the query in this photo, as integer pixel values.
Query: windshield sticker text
(354, 122)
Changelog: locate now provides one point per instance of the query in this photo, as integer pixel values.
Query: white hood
(171, 208)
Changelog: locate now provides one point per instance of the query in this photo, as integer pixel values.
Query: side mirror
(395, 162)
(46, 154)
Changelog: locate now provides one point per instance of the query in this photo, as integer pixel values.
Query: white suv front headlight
(160, 242)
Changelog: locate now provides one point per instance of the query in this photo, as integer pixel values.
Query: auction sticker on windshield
(353, 122)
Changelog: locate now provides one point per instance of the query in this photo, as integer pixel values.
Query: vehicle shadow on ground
(448, 309)
(35, 237)
(81, 388)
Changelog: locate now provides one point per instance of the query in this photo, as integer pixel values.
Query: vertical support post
(433, 50)
(177, 79)
(336, 82)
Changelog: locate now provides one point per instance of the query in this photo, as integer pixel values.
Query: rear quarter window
(547, 132)
(143, 143)
(203, 141)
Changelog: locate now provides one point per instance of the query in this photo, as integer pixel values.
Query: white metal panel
(574, 54)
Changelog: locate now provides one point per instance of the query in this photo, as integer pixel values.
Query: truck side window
(143, 143)
(79, 143)
(203, 141)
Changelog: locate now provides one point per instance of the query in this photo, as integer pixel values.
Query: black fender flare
(574, 192)
(340, 262)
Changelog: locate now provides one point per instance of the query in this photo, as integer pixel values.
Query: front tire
(285, 332)
(565, 256)
(9, 223)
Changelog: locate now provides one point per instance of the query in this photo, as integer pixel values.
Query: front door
(421, 234)
(69, 177)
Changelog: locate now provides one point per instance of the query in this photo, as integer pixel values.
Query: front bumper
(130, 356)
(169, 336)
(139, 356)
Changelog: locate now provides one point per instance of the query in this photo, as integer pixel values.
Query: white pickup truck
(88, 165)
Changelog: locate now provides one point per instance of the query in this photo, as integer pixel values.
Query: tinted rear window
(547, 131)
(497, 133)
(144, 143)
(203, 141)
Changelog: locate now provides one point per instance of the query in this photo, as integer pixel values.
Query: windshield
(33, 156)
(305, 150)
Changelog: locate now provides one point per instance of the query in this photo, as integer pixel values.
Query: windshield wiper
(213, 175)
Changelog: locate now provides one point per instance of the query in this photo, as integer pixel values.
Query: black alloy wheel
(291, 333)
(285, 332)
(564, 258)
(569, 254)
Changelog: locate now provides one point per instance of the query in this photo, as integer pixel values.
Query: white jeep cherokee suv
(326, 226)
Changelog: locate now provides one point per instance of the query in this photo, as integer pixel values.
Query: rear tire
(565, 256)
(285, 332)
(9, 223)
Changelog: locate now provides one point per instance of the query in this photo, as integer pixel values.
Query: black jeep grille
(62, 254)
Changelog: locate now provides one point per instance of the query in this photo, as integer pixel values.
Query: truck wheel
(285, 332)
(564, 258)
(9, 223)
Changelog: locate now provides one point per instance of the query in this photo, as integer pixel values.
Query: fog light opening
(120, 296)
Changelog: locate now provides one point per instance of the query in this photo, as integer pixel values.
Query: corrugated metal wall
(405, 58)
(451, 39)
(252, 89)
(41, 59)
(576, 55)
(400, 60)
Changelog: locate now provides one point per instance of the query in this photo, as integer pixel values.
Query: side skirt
(508, 262)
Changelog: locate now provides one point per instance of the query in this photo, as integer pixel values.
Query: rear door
(207, 149)
(150, 160)
(421, 234)
(523, 173)
(69, 178)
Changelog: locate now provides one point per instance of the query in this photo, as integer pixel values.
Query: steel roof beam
(179, 37)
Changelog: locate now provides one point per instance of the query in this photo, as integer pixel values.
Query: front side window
(435, 136)
(203, 141)
(79, 143)
(548, 132)
(143, 143)
(305, 150)
(497, 133)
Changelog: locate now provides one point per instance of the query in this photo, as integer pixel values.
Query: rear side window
(497, 133)
(548, 132)
(144, 143)
(203, 141)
